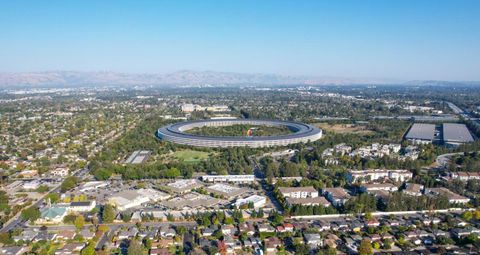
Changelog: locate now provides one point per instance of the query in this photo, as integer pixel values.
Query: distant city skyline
(404, 40)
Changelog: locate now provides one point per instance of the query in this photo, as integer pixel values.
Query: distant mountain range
(180, 78)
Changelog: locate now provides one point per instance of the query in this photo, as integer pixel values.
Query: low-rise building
(338, 196)
(378, 186)
(183, 186)
(191, 200)
(313, 240)
(243, 178)
(60, 171)
(225, 190)
(298, 192)
(83, 206)
(421, 133)
(265, 228)
(51, 215)
(413, 189)
(27, 235)
(465, 176)
(93, 185)
(28, 173)
(315, 201)
(271, 244)
(256, 200)
(452, 197)
(31, 185)
(455, 134)
(70, 248)
(462, 232)
(126, 199)
(66, 234)
(13, 250)
(363, 176)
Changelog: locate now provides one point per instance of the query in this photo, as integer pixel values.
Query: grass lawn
(344, 128)
(190, 156)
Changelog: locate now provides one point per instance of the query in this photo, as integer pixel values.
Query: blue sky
(403, 39)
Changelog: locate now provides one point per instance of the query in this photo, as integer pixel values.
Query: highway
(455, 108)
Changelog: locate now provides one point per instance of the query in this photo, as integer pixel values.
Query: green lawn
(190, 156)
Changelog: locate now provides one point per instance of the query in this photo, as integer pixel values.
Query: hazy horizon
(394, 40)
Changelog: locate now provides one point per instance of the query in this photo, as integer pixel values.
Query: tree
(365, 248)
(260, 214)
(468, 215)
(477, 214)
(43, 189)
(31, 214)
(276, 218)
(229, 221)
(103, 228)
(108, 214)
(172, 173)
(368, 216)
(89, 249)
(126, 217)
(387, 244)
(53, 197)
(69, 183)
(4, 201)
(302, 249)
(79, 222)
(328, 251)
(6, 238)
(181, 230)
(135, 248)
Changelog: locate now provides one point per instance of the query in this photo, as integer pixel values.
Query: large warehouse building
(450, 134)
(176, 133)
(421, 133)
(455, 134)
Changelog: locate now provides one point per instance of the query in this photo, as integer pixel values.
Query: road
(455, 108)
(442, 160)
(260, 176)
(107, 236)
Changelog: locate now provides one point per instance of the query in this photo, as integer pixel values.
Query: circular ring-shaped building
(176, 133)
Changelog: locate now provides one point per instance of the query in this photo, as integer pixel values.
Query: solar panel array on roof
(456, 133)
(421, 132)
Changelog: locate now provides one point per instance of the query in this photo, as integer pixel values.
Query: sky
(393, 39)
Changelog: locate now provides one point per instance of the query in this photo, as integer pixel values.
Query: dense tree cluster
(398, 201)
(362, 203)
(469, 162)
(240, 130)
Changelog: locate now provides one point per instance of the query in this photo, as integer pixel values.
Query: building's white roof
(223, 188)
